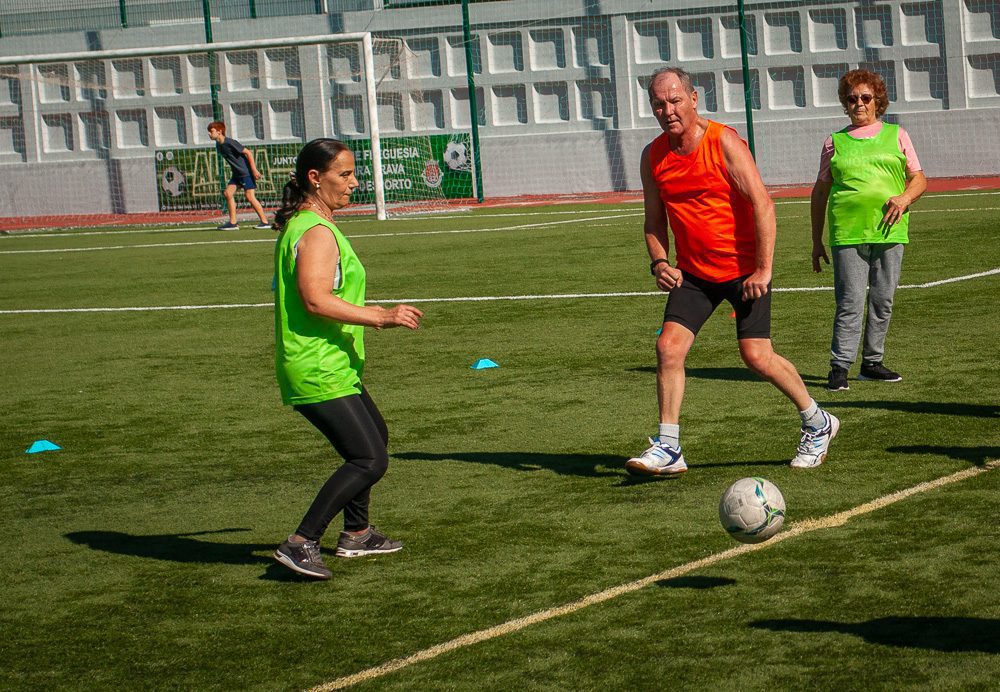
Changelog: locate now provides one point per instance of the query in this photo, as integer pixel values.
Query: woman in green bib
(319, 320)
(869, 176)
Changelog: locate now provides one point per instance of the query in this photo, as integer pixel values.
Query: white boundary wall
(561, 91)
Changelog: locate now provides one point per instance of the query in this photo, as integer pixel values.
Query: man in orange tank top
(700, 180)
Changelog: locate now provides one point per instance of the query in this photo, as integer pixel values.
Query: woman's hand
(819, 251)
(895, 207)
(399, 316)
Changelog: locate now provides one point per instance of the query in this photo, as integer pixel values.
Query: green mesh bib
(316, 359)
(866, 173)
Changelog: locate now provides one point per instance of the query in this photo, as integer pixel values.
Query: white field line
(936, 211)
(457, 231)
(137, 246)
(797, 529)
(467, 299)
(210, 226)
(364, 235)
(927, 197)
(626, 213)
(778, 201)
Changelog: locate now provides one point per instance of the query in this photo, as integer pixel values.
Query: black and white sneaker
(878, 372)
(303, 558)
(836, 381)
(373, 542)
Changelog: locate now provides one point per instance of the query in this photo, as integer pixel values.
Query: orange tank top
(712, 223)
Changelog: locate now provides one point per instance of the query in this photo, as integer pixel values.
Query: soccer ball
(752, 510)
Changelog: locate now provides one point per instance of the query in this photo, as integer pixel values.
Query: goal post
(127, 128)
(376, 143)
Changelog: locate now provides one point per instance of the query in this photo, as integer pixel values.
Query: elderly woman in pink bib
(869, 176)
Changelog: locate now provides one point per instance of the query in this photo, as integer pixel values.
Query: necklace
(322, 212)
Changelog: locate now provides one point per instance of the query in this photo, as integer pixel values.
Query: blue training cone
(483, 364)
(41, 446)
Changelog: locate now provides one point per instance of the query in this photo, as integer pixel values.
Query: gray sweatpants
(871, 269)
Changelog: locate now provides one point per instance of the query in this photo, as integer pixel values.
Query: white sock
(812, 417)
(671, 434)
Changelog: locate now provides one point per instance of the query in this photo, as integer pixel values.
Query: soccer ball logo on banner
(456, 156)
(173, 181)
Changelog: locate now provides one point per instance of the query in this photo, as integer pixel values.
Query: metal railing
(27, 17)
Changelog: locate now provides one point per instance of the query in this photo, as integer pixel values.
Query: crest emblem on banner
(432, 173)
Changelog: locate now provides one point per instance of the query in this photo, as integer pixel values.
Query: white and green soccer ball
(752, 510)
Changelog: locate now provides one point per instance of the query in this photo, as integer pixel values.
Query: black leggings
(356, 429)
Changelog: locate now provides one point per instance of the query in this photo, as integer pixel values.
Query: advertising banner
(423, 167)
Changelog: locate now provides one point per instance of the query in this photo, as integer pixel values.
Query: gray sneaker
(303, 558)
(372, 543)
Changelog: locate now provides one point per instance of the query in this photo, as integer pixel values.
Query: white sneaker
(814, 444)
(659, 460)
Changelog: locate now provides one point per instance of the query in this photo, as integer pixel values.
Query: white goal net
(122, 136)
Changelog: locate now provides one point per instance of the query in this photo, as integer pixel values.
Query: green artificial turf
(138, 556)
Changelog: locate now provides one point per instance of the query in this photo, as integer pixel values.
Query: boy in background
(245, 175)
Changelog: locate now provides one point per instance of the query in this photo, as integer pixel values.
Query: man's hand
(667, 277)
(755, 285)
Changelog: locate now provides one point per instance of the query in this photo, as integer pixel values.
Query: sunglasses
(864, 98)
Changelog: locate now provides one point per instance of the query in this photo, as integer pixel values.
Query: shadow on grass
(732, 374)
(276, 572)
(952, 634)
(695, 582)
(640, 480)
(175, 547)
(940, 408)
(975, 455)
(814, 380)
(180, 547)
(587, 465)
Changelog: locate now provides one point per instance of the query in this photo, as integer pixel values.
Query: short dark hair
(681, 74)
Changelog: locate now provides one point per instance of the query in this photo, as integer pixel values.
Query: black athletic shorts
(693, 302)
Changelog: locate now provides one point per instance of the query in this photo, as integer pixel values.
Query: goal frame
(368, 59)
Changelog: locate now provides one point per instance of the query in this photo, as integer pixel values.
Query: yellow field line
(796, 529)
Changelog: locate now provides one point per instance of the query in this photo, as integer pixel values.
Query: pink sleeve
(906, 146)
(824, 161)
